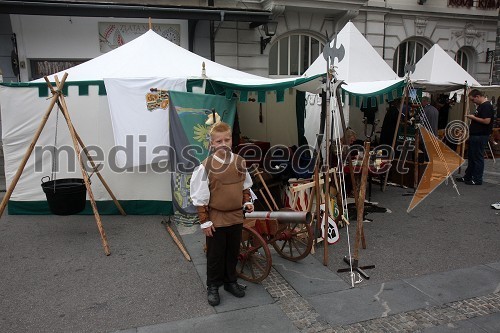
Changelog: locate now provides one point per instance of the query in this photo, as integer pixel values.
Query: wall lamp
(269, 29)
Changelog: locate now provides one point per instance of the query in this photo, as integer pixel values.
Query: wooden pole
(416, 161)
(27, 155)
(395, 136)
(72, 131)
(269, 207)
(177, 242)
(84, 148)
(101, 178)
(259, 174)
(94, 167)
(361, 207)
(317, 193)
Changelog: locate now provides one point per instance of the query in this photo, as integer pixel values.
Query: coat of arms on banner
(157, 99)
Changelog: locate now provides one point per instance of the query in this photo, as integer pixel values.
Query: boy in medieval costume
(220, 188)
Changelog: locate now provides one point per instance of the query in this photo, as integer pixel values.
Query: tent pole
(72, 131)
(360, 232)
(405, 95)
(20, 169)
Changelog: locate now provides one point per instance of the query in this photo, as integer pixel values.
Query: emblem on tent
(157, 99)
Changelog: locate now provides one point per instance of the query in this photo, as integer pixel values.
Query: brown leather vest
(225, 182)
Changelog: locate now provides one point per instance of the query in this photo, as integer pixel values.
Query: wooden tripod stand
(58, 98)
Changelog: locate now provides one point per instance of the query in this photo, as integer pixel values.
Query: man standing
(431, 115)
(480, 128)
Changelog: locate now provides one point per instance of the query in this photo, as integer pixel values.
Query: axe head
(333, 52)
(409, 68)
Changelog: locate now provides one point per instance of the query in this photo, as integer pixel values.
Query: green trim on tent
(280, 96)
(224, 88)
(43, 89)
(389, 92)
(261, 96)
(106, 207)
(213, 87)
(243, 96)
(194, 83)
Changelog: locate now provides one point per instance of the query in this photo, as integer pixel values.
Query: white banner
(139, 114)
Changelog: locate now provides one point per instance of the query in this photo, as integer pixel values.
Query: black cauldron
(65, 196)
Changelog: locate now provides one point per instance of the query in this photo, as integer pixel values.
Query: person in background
(444, 105)
(220, 188)
(431, 115)
(389, 123)
(480, 128)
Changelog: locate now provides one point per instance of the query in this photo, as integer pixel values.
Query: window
(293, 54)
(462, 59)
(408, 52)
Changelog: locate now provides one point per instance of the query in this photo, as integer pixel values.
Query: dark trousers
(222, 255)
(475, 158)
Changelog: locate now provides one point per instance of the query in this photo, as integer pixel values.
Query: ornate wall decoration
(468, 36)
(420, 25)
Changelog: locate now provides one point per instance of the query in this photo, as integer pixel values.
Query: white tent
(151, 55)
(141, 190)
(363, 70)
(438, 72)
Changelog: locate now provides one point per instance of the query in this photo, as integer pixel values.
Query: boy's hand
(209, 232)
(249, 208)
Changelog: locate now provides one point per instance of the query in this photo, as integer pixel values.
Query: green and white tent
(140, 189)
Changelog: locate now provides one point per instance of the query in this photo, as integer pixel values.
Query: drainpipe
(383, 39)
(212, 35)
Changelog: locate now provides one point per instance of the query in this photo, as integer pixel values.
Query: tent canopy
(362, 68)
(438, 72)
(151, 55)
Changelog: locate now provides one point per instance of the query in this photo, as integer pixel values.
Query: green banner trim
(398, 86)
(213, 87)
(106, 207)
(43, 89)
(389, 92)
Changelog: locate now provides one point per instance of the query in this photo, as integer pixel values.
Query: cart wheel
(254, 260)
(293, 241)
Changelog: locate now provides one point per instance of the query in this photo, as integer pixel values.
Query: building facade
(39, 37)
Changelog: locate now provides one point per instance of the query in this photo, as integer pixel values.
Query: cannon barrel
(282, 216)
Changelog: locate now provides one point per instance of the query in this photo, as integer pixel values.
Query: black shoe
(213, 295)
(473, 182)
(235, 289)
(462, 179)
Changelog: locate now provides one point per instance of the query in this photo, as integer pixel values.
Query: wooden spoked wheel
(293, 241)
(254, 260)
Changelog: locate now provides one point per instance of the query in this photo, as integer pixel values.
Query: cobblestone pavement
(295, 307)
(307, 320)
